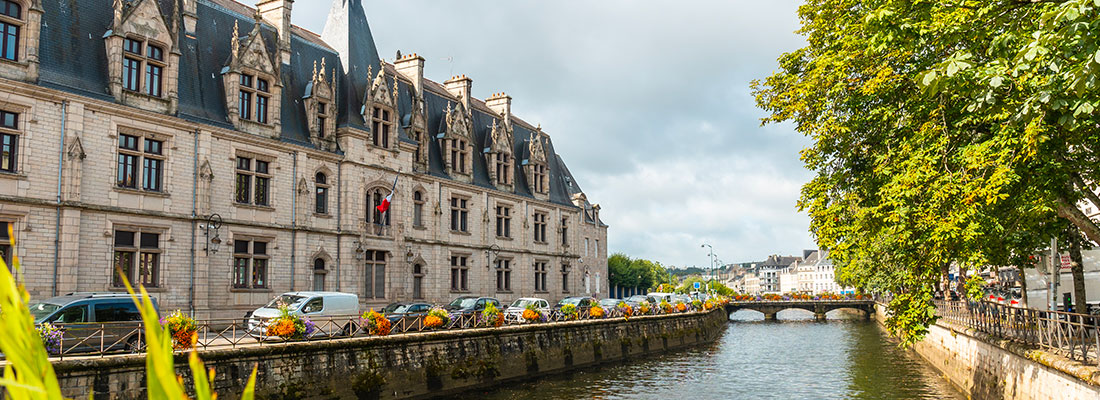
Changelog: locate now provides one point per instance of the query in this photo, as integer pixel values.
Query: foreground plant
(626, 310)
(436, 318)
(569, 311)
(289, 326)
(492, 316)
(596, 311)
(29, 374)
(531, 314)
(182, 328)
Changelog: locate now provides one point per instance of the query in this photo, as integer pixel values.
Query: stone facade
(67, 206)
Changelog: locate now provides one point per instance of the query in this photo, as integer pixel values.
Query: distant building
(768, 272)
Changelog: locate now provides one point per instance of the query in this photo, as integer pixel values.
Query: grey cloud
(647, 101)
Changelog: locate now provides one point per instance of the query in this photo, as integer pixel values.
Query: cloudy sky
(648, 102)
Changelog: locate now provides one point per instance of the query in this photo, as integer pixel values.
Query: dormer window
(539, 178)
(254, 98)
(322, 119)
(459, 151)
(11, 23)
(455, 143)
(503, 167)
(381, 126)
(142, 67)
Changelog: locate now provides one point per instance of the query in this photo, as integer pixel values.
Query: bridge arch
(770, 308)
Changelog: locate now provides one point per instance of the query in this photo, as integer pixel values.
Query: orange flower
(432, 321)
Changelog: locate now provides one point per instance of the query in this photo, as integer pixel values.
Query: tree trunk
(960, 285)
(1023, 286)
(1078, 270)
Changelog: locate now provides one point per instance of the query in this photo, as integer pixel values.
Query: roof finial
(322, 68)
(315, 70)
(118, 13)
(395, 93)
(235, 41)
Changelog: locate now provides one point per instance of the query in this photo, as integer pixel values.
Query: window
(135, 60)
(418, 281)
(565, 278)
(504, 275)
(460, 271)
(117, 312)
(137, 257)
(586, 247)
(504, 221)
(321, 196)
(5, 245)
(253, 99)
(503, 167)
(377, 221)
(11, 21)
(540, 227)
(375, 275)
(253, 182)
(540, 276)
(459, 214)
(596, 248)
(9, 141)
(539, 178)
(421, 154)
(565, 232)
(418, 209)
(322, 119)
(459, 152)
(381, 126)
(319, 273)
(250, 262)
(140, 156)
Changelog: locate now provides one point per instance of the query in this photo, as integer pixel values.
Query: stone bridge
(819, 307)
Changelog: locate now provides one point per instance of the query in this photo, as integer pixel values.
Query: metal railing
(1076, 336)
(104, 339)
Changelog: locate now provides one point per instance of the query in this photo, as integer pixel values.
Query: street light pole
(711, 257)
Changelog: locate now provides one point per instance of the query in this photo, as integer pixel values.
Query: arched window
(418, 281)
(319, 273)
(418, 209)
(321, 181)
(11, 24)
(378, 223)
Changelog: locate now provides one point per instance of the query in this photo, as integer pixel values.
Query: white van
(331, 312)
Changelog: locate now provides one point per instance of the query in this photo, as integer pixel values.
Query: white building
(788, 278)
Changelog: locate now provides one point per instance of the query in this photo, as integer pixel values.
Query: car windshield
(395, 309)
(291, 301)
(463, 302)
(571, 300)
(609, 302)
(522, 303)
(41, 310)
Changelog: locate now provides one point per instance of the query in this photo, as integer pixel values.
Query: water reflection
(794, 358)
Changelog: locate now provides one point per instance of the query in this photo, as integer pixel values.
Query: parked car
(637, 300)
(326, 309)
(579, 302)
(405, 311)
(466, 306)
(514, 312)
(680, 298)
(610, 303)
(85, 317)
(662, 297)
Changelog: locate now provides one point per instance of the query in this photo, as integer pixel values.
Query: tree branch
(1074, 215)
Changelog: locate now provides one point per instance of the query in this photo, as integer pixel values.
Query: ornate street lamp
(213, 222)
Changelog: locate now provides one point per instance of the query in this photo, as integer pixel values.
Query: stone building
(220, 155)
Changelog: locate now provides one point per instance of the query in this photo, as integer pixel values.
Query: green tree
(938, 140)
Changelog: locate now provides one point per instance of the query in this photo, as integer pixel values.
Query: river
(794, 358)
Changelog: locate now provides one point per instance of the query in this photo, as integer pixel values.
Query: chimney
(460, 87)
(190, 16)
(277, 13)
(501, 104)
(412, 67)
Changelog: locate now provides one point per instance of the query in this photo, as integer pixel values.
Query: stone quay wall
(984, 367)
(416, 365)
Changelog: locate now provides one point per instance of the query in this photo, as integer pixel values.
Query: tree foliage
(643, 274)
(959, 132)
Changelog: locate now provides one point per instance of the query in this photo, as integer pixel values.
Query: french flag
(385, 206)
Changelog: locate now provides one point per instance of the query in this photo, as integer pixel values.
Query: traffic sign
(1067, 261)
(698, 285)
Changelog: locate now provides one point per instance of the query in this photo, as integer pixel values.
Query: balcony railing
(103, 339)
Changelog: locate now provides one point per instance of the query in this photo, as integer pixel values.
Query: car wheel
(347, 330)
(135, 344)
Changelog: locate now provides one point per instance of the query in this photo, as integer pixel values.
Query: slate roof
(73, 58)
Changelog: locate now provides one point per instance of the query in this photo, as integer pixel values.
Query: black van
(93, 322)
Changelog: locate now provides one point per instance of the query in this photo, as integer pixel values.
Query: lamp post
(213, 223)
(711, 255)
